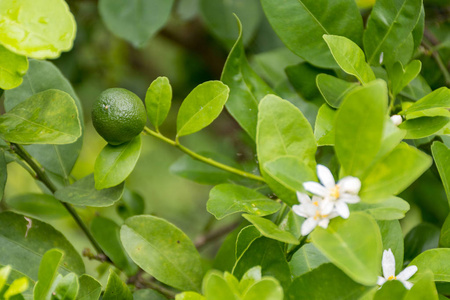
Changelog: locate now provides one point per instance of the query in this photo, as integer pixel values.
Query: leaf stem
(42, 176)
(202, 158)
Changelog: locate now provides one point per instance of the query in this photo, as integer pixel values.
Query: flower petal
(349, 198)
(408, 285)
(325, 176)
(350, 185)
(324, 223)
(388, 263)
(407, 273)
(315, 188)
(381, 280)
(298, 209)
(342, 209)
(303, 198)
(308, 226)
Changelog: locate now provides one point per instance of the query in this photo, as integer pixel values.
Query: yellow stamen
(316, 203)
(335, 192)
(392, 277)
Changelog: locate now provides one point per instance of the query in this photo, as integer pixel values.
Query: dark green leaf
(400, 78)
(149, 294)
(40, 206)
(315, 19)
(90, 288)
(306, 259)
(392, 237)
(84, 193)
(115, 163)
(12, 68)
(334, 89)
(245, 238)
(3, 173)
(131, 204)
(419, 239)
(48, 270)
(302, 76)
(49, 117)
(158, 100)
(441, 155)
(116, 289)
(270, 230)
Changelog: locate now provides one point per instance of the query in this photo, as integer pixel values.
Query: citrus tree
(344, 105)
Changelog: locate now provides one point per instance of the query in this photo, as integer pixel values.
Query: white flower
(312, 211)
(396, 119)
(335, 196)
(388, 264)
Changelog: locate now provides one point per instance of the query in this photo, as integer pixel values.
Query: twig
(435, 54)
(203, 240)
(139, 282)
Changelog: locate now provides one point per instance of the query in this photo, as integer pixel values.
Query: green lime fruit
(118, 115)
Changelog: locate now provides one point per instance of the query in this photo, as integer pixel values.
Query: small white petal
(325, 176)
(298, 209)
(407, 273)
(315, 188)
(326, 207)
(388, 264)
(324, 223)
(342, 209)
(396, 119)
(350, 185)
(349, 198)
(408, 285)
(308, 226)
(303, 198)
(332, 215)
(381, 280)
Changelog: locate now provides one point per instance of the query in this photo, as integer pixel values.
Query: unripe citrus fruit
(118, 115)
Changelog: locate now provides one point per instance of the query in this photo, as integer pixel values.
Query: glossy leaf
(40, 238)
(245, 238)
(435, 260)
(246, 87)
(359, 127)
(444, 238)
(227, 199)
(216, 287)
(392, 136)
(12, 68)
(130, 19)
(392, 208)
(116, 289)
(325, 282)
(48, 271)
(25, 21)
(49, 117)
(84, 193)
(388, 26)
(266, 289)
(441, 155)
(324, 126)
(270, 230)
(306, 259)
(158, 100)
(392, 238)
(394, 173)
(424, 288)
(90, 288)
(391, 290)
(349, 57)
(354, 245)
(41, 76)
(334, 89)
(40, 206)
(189, 296)
(315, 19)
(400, 77)
(201, 107)
(3, 173)
(115, 163)
(163, 251)
(434, 104)
(423, 127)
(67, 287)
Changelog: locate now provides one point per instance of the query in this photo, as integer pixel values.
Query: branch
(203, 240)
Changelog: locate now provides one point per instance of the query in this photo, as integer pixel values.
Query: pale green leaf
(216, 287)
(392, 208)
(90, 288)
(424, 288)
(400, 77)
(48, 271)
(423, 127)
(435, 260)
(67, 287)
(18, 286)
(324, 126)
(12, 68)
(437, 103)
(270, 230)
(266, 289)
(41, 206)
(158, 100)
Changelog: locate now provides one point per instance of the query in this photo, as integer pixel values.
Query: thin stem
(42, 176)
(203, 240)
(202, 158)
(435, 54)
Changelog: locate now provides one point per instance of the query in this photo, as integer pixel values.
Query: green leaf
(116, 289)
(394, 173)
(37, 28)
(423, 127)
(323, 283)
(349, 57)
(400, 78)
(441, 155)
(246, 87)
(115, 163)
(315, 19)
(216, 287)
(131, 204)
(49, 117)
(391, 290)
(135, 21)
(145, 294)
(359, 127)
(334, 89)
(389, 25)
(40, 206)
(163, 251)
(392, 136)
(434, 104)
(24, 253)
(324, 126)
(219, 19)
(84, 193)
(107, 233)
(257, 254)
(226, 255)
(289, 135)
(354, 245)
(266, 289)
(41, 76)
(12, 68)
(270, 230)
(245, 238)
(67, 287)
(201, 107)
(3, 173)
(306, 259)
(435, 260)
(48, 270)
(424, 288)
(90, 288)
(392, 208)
(392, 238)
(302, 77)
(444, 239)
(4, 274)
(17, 287)
(227, 199)
(188, 296)
(158, 100)
(419, 239)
